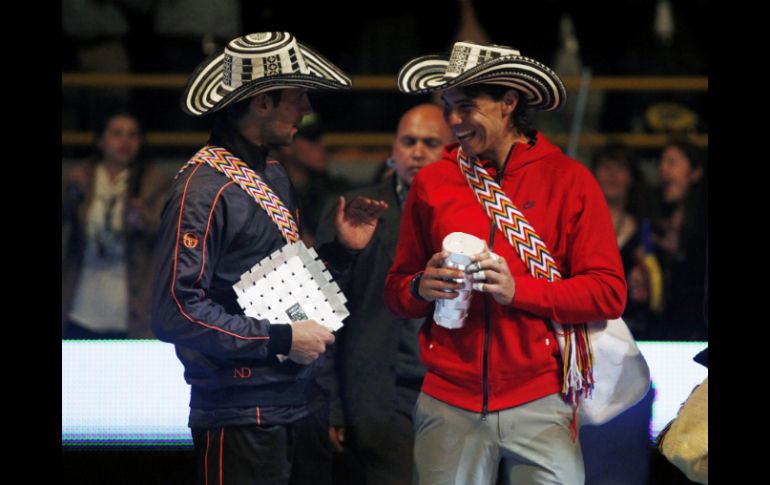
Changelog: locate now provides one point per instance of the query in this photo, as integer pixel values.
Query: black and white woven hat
(471, 63)
(256, 63)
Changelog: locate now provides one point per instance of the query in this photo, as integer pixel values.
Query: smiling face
(481, 124)
(421, 135)
(120, 141)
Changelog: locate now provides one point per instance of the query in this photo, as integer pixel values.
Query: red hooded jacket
(505, 356)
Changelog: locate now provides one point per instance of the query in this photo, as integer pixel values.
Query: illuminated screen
(674, 375)
(123, 392)
(133, 393)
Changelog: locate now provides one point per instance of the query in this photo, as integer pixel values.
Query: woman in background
(680, 239)
(110, 212)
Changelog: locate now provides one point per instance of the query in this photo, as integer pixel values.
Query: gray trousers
(528, 444)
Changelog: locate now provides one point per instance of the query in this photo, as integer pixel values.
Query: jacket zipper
(487, 310)
(487, 329)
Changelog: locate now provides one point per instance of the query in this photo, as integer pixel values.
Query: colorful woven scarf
(236, 170)
(574, 340)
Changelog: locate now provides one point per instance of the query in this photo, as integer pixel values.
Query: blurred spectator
(377, 357)
(110, 212)
(307, 162)
(616, 168)
(680, 238)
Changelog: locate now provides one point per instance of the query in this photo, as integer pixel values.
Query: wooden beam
(387, 83)
(197, 138)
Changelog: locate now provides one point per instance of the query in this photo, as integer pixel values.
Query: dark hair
(618, 152)
(695, 200)
(238, 110)
(520, 117)
(638, 198)
(694, 229)
(139, 163)
(694, 154)
(101, 125)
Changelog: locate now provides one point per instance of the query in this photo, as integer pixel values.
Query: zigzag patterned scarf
(236, 170)
(576, 344)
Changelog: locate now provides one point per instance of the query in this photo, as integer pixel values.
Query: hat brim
(541, 86)
(205, 93)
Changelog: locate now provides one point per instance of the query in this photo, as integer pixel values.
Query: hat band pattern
(464, 59)
(457, 61)
(238, 71)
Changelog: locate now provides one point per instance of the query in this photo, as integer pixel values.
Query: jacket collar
(223, 134)
(521, 155)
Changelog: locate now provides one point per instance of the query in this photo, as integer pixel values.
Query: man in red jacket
(491, 396)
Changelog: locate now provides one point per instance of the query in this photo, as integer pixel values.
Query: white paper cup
(451, 324)
(460, 246)
(456, 304)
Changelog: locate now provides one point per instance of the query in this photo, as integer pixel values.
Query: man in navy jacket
(254, 417)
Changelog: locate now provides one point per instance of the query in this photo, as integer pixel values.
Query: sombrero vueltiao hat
(472, 63)
(256, 63)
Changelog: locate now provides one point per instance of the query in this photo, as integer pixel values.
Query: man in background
(307, 163)
(377, 358)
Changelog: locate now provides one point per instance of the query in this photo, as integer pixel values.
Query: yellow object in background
(655, 275)
(685, 441)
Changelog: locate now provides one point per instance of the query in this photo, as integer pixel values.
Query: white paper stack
(460, 246)
(289, 285)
